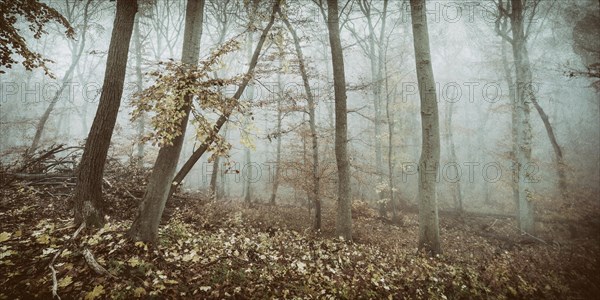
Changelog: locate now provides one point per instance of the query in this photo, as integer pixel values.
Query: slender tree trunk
(314, 195)
(214, 190)
(330, 105)
(560, 163)
(383, 207)
(429, 234)
(145, 226)
(374, 49)
(513, 115)
(454, 186)
(305, 163)
(224, 188)
(524, 93)
(217, 190)
(197, 154)
(88, 192)
(247, 154)
(140, 86)
(344, 203)
(522, 129)
(39, 129)
(278, 154)
(380, 66)
(248, 186)
(390, 155)
(376, 71)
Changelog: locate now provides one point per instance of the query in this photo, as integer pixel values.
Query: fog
(468, 68)
(354, 149)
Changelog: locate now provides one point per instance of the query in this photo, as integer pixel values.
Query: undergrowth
(217, 250)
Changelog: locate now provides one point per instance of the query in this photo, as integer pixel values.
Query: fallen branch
(63, 183)
(89, 258)
(51, 266)
(31, 161)
(39, 176)
(530, 235)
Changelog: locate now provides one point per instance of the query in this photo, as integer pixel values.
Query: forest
(299, 149)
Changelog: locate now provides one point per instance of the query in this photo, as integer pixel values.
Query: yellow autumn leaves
(179, 88)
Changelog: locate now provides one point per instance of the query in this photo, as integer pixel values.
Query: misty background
(473, 96)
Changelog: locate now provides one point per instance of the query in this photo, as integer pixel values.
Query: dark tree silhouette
(88, 193)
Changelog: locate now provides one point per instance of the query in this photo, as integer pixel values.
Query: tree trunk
(524, 94)
(247, 154)
(140, 86)
(429, 235)
(380, 66)
(390, 155)
(344, 203)
(381, 71)
(145, 226)
(217, 190)
(514, 119)
(223, 189)
(314, 195)
(278, 154)
(197, 154)
(248, 168)
(88, 192)
(374, 51)
(214, 190)
(454, 186)
(560, 163)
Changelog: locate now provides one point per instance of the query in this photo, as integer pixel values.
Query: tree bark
(524, 94)
(214, 190)
(278, 154)
(454, 186)
(513, 112)
(344, 203)
(429, 235)
(197, 154)
(376, 74)
(247, 154)
(88, 192)
(140, 86)
(248, 186)
(390, 155)
(380, 66)
(145, 226)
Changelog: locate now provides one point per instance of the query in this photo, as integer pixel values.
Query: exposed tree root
(51, 265)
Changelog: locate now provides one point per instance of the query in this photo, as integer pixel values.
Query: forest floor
(229, 250)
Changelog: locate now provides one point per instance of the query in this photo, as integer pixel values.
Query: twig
(47, 154)
(130, 194)
(492, 225)
(529, 234)
(51, 266)
(107, 182)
